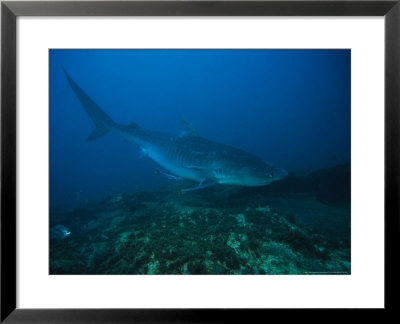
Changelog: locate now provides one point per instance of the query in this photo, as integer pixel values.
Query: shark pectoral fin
(204, 184)
(99, 131)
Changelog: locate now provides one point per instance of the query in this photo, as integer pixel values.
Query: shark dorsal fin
(188, 129)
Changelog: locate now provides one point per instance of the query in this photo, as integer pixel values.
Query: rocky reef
(220, 230)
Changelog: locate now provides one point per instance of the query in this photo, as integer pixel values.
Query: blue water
(289, 107)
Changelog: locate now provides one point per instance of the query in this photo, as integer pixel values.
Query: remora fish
(187, 155)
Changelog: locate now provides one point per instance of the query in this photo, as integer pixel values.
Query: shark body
(187, 155)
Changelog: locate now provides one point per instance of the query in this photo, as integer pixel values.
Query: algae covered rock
(166, 233)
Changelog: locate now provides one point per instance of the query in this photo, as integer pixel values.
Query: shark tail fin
(103, 123)
(98, 132)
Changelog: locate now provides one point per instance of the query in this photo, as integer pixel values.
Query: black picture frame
(10, 10)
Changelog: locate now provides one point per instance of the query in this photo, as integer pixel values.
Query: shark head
(260, 174)
(248, 171)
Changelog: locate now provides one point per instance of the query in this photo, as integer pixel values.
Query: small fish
(59, 232)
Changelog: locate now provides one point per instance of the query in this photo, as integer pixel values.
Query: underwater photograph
(200, 161)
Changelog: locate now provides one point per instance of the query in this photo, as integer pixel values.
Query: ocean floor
(219, 230)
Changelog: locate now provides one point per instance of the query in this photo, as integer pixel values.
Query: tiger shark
(187, 155)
